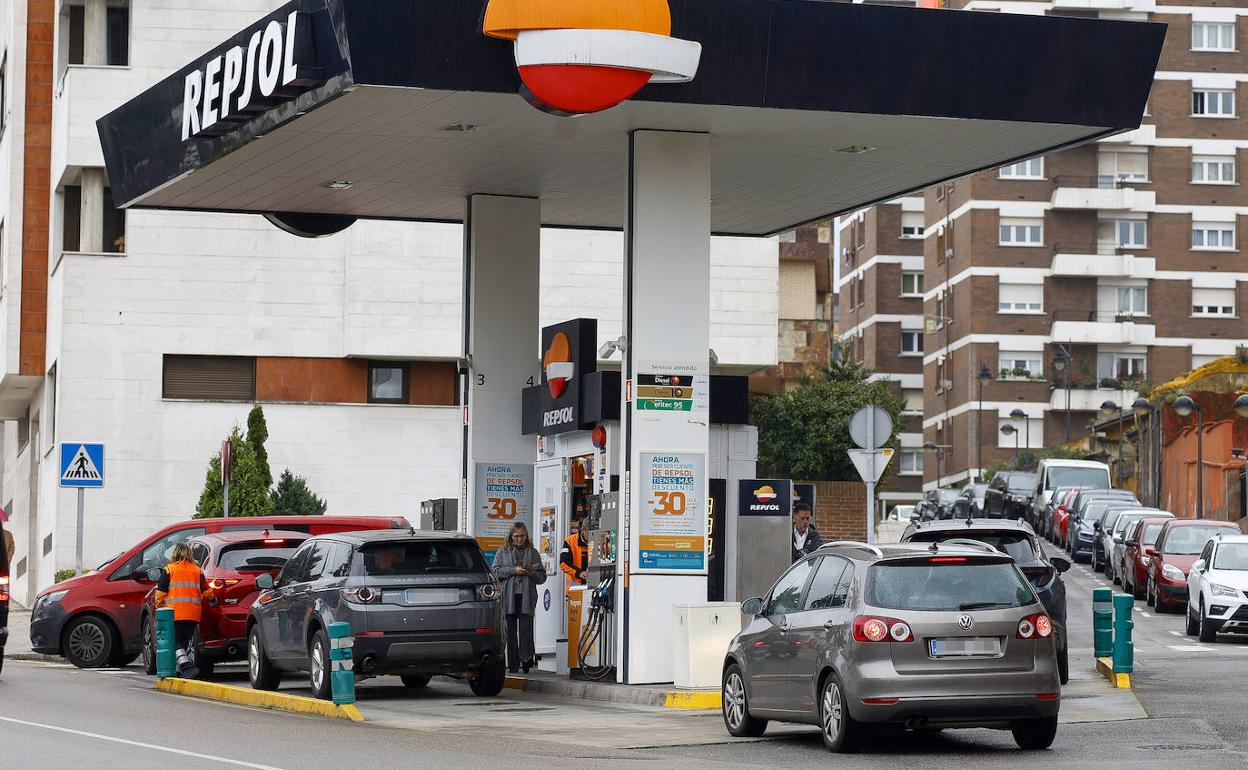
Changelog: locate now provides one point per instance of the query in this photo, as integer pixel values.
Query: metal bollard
(1124, 649)
(166, 659)
(1102, 622)
(341, 666)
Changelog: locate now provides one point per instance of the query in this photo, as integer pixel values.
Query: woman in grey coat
(518, 566)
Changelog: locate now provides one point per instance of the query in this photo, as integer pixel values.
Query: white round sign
(861, 424)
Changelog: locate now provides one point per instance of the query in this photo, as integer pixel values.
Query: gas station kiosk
(667, 119)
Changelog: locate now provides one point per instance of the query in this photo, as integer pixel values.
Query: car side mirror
(1060, 564)
(750, 607)
(1133, 543)
(1199, 565)
(264, 582)
(1117, 538)
(914, 517)
(1096, 525)
(150, 575)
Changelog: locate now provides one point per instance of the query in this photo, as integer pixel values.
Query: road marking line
(1145, 614)
(1176, 633)
(140, 744)
(1189, 648)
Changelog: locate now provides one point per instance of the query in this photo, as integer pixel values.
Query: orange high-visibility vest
(579, 557)
(184, 595)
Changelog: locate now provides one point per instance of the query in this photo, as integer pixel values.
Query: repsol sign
(249, 78)
(556, 418)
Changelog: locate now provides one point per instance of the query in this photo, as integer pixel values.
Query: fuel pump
(595, 651)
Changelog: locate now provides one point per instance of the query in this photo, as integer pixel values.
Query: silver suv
(918, 637)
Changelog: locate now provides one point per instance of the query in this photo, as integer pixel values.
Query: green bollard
(341, 666)
(1124, 649)
(1102, 622)
(166, 658)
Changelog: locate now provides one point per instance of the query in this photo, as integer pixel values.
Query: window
(112, 234)
(830, 587)
(786, 597)
(387, 383)
(1213, 236)
(1213, 169)
(947, 587)
(210, 378)
(1120, 366)
(156, 555)
(911, 463)
(1215, 302)
(1213, 36)
(51, 407)
(911, 284)
(912, 224)
(862, 291)
(1114, 168)
(1132, 300)
(1022, 232)
(1028, 169)
(1213, 103)
(116, 22)
(1019, 366)
(1021, 298)
(1123, 233)
(911, 343)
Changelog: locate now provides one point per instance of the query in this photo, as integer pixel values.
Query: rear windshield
(1151, 531)
(1125, 521)
(1022, 483)
(1232, 556)
(946, 495)
(948, 587)
(1060, 476)
(1189, 540)
(255, 557)
(1016, 544)
(421, 558)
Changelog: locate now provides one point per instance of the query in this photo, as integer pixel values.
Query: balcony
(83, 95)
(1095, 328)
(1092, 5)
(1089, 399)
(1099, 260)
(1100, 193)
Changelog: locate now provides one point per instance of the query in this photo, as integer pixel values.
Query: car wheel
(149, 645)
(489, 680)
(838, 728)
(1063, 663)
(1, 660)
(736, 706)
(260, 670)
(1208, 628)
(88, 642)
(415, 681)
(1193, 625)
(1035, 734)
(318, 666)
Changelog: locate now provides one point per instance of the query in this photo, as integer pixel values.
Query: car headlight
(51, 598)
(1146, 560)
(1222, 590)
(1172, 572)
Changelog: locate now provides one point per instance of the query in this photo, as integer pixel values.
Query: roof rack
(968, 542)
(853, 544)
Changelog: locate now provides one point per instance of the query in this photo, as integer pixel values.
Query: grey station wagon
(419, 604)
(913, 636)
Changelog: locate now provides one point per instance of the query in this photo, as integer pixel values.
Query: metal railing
(1098, 182)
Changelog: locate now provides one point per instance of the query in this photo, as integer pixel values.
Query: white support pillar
(501, 339)
(91, 217)
(667, 326)
(95, 33)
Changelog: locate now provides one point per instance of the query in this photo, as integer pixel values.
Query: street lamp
(1143, 409)
(1010, 430)
(984, 376)
(939, 449)
(1241, 405)
(1062, 363)
(1107, 410)
(1183, 407)
(1019, 414)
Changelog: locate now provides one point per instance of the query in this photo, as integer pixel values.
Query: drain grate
(1080, 696)
(523, 709)
(1179, 747)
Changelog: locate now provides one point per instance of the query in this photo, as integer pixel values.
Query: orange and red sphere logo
(582, 56)
(557, 363)
(765, 494)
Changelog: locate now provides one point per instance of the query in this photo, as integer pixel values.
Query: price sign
(673, 530)
(504, 495)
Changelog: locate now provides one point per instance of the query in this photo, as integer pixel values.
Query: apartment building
(1060, 283)
(806, 309)
(154, 331)
(880, 292)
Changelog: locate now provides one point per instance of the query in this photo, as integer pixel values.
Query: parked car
(1009, 495)
(919, 637)
(1217, 589)
(1052, 474)
(1178, 545)
(1060, 511)
(1019, 541)
(1116, 562)
(1082, 532)
(902, 512)
(4, 595)
(1103, 545)
(419, 604)
(943, 500)
(93, 620)
(231, 562)
(970, 501)
(1140, 541)
(1086, 495)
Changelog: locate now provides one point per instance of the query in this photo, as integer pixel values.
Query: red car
(231, 562)
(93, 619)
(1138, 548)
(1061, 513)
(1178, 545)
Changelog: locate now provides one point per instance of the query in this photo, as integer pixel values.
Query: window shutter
(213, 378)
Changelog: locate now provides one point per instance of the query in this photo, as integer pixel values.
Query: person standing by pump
(574, 556)
(518, 566)
(806, 539)
(183, 588)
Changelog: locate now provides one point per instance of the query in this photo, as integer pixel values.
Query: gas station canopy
(402, 109)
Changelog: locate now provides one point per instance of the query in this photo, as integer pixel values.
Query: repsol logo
(557, 417)
(228, 84)
(764, 507)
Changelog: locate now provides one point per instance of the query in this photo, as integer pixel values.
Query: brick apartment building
(1115, 264)
(805, 330)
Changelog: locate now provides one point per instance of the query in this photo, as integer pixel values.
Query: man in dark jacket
(805, 537)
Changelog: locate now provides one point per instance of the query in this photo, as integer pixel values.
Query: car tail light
(1039, 576)
(217, 584)
(869, 628)
(947, 560)
(488, 591)
(361, 595)
(274, 541)
(4, 588)
(1038, 626)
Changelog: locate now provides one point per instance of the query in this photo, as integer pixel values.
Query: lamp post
(1108, 409)
(1241, 405)
(939, 449)
(1143, 409)
(1183, 407)
(1010, 430)
(984, 376)
(1062, 363)
(1019, 414)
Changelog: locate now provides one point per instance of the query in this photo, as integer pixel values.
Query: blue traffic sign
(82, 465)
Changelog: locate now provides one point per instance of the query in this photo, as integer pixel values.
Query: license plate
(423, 596)
(965, 647)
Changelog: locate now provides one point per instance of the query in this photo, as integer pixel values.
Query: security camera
(610, 346)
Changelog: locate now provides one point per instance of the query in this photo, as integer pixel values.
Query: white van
(1052, 474)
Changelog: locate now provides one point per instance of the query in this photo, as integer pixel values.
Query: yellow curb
(1117, 679)
(514, 683)
(693, 700)
(259, 698)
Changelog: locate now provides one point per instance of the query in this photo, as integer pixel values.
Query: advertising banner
(504, 495)
(672, 537)
(764, 497)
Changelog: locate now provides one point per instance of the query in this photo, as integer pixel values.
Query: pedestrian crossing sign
(82, 465)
